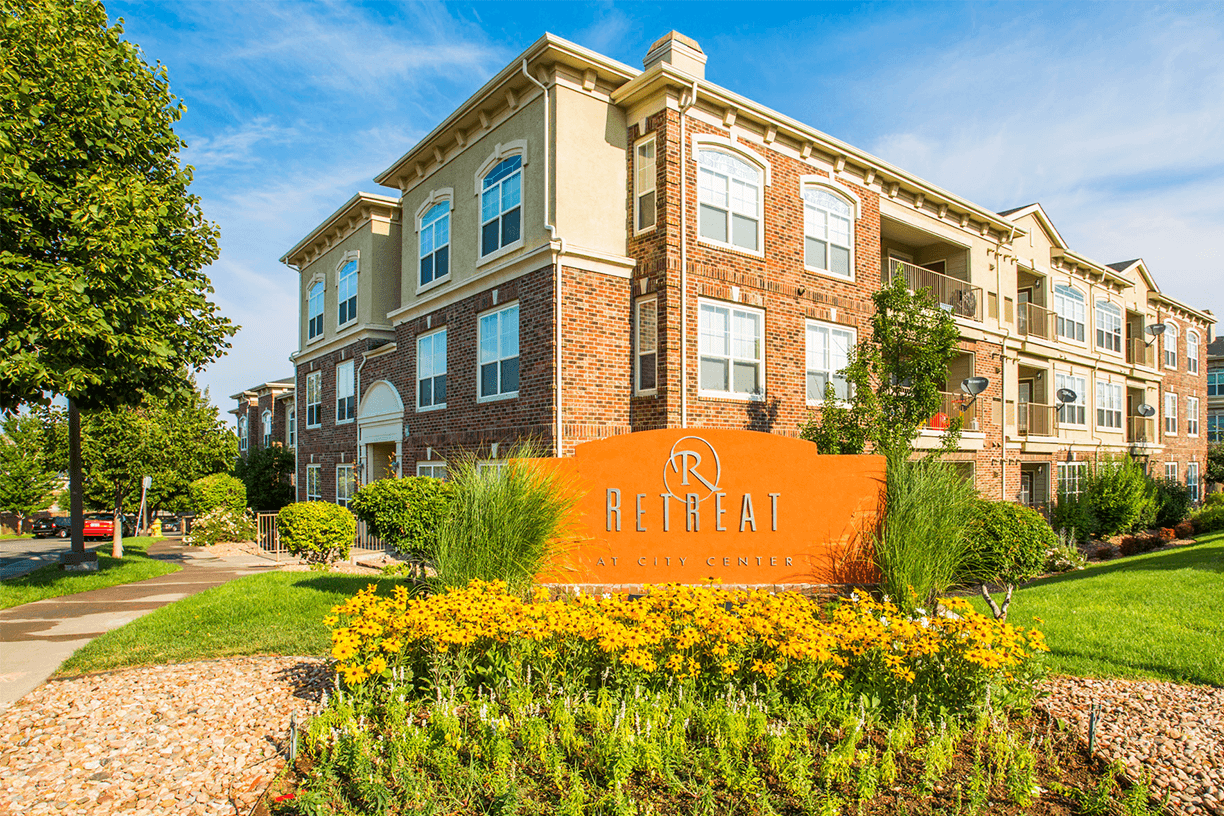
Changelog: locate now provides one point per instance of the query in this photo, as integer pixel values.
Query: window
(1215, 427)
(1108, 326)
(1192, 352)
(315, 312)
(501, 205)
(729, 196)
(646, 336)
(828, 353)
(431, 370)
(312, 483)
(732, 350)
(242, 433)
(644, 185)
(1074, 412)
(1109, 405)
(1169, 343)
(827, 232)
(434, 470)
(291, 425)
(1069, 306)
(1171, 471)
(1170, 413)
(314, 399)
(345, 485)
(1192, 481)
(346, 399)
(1071, 478)
(347, 288)
(499, 353)
(490, 468)
(435, 243)
(1215, 383)
(267, 428)
(1192, 416)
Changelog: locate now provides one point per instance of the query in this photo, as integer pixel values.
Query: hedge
(218, 490)
(406, 513)
(319, 532)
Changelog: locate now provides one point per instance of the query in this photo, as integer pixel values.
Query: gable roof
(1039, 213)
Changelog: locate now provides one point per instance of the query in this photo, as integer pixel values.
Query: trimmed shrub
(220, 524)
(1173, 501)
(1210, 518)
(1008, 543)
(406, 513)
(1075, 515)
(1184, 529)
(1121, 496)
(218, 490)
(319, 532)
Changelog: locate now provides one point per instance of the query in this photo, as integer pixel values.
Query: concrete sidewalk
(37, 637)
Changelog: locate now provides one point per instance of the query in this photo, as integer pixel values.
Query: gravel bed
(1174, 733)
(191, 738)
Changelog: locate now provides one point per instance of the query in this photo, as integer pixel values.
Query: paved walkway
(37, 637)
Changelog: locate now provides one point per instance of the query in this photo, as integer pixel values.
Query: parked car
(102, 525)
(52, 527)
(172, 525)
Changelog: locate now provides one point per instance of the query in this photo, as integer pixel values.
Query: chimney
(680, 52)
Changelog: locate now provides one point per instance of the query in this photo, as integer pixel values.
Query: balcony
(1032, 418)
(1141, 431)
(1035, 321)
(1139, 353)
(953, 294)
(952, 407)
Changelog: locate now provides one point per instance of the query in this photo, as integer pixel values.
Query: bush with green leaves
(1121, 496)
(1008, 544)
(1210, 517)
(1074, 514)
(1173, 501)
(218, 490)
(318, 532)
(406, 513)
(268, 476)
(220, 524)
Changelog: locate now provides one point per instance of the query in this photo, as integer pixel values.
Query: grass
(275, 613)
(1154, 616)
(52, 582)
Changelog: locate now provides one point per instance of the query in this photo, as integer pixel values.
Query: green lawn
(275, 613)
(1156, 615)
(52, 582)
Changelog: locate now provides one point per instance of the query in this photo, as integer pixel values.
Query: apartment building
(1215, 390)
(584, 249)
(265, 416)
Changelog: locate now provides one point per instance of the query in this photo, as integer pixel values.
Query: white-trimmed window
(1109, 405)
(313, 489)
(1192, 480)
(1169, 344)
(435, 243)
(729, 199)
(1215, 427)
(499, 353)
(314, 399)
(828, 354)
(1108, 326)
(1069, 306)
(501, 205)
(1076, 411)
(1171, 471)
(1071, 478)
(346, 392)
(291, 424)
(314, 311)
(828, 233)
(645, 209)
(1192, 416)
(243, 434)
(1170, 413)
(346, 286)
(491, 467)
(431, 370)
(1192, 351)
(1215, 383)
(732, 348)
(346, 486)
(434, 470)
(646, 344)
(266, 420)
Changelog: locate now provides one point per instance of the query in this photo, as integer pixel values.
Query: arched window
(347, 289)
(828, 232)
(1069, 306)
(1108, 326)
(501, 205)
(435, 243)
(267, 429)
(1192, 351)
(242, 433)
(1169, 344)
(729, 198)
(315, 311)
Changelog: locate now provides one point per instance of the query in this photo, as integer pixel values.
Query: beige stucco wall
(592, 165)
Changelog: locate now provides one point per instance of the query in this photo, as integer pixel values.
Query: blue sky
(1109, 114)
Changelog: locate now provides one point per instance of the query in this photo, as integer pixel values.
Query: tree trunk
(117, 526)
(1000, 614)
(76, 490)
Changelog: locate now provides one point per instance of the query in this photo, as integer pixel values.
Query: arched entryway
(380, 432)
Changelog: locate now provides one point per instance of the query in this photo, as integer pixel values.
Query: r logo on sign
(692, 462)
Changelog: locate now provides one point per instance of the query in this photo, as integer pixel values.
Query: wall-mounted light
(1156, 329)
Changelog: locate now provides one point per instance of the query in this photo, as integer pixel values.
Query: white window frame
(1107, 407)
(1108, 319)
(1170, 413)
(498, 311)
(314, 475)
(346, 392)
(1192, 351)
(645, 182)
(291, 424)
(266, 426)
(1171, 471)
(428, 372)
(1192, 481)
(316, 294)
(345, 484)
(1067, 300)
(501, 154)
(314, 389)
(344, 282)
(704, 305)
(814, 184)
(1192, 416)
(830, 374)
(639, 352)
(1071, 473)
(439, 198)
(1170, 354)
(244, 433)
(1215, 427)
(431, 469)
(1077, 409)
(735, 151)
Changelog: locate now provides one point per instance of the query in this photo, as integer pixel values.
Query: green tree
(896, 374)
(1215, 463)
(103, 298)
(267, 474)
(27, 482)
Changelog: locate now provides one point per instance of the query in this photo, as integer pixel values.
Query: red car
(102, 525)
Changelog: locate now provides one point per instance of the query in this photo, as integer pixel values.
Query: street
(20, 555)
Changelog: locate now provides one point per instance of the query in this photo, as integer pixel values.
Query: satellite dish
(1156, 329)
(1065, 395)
(1145, 410)
(974, 385)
